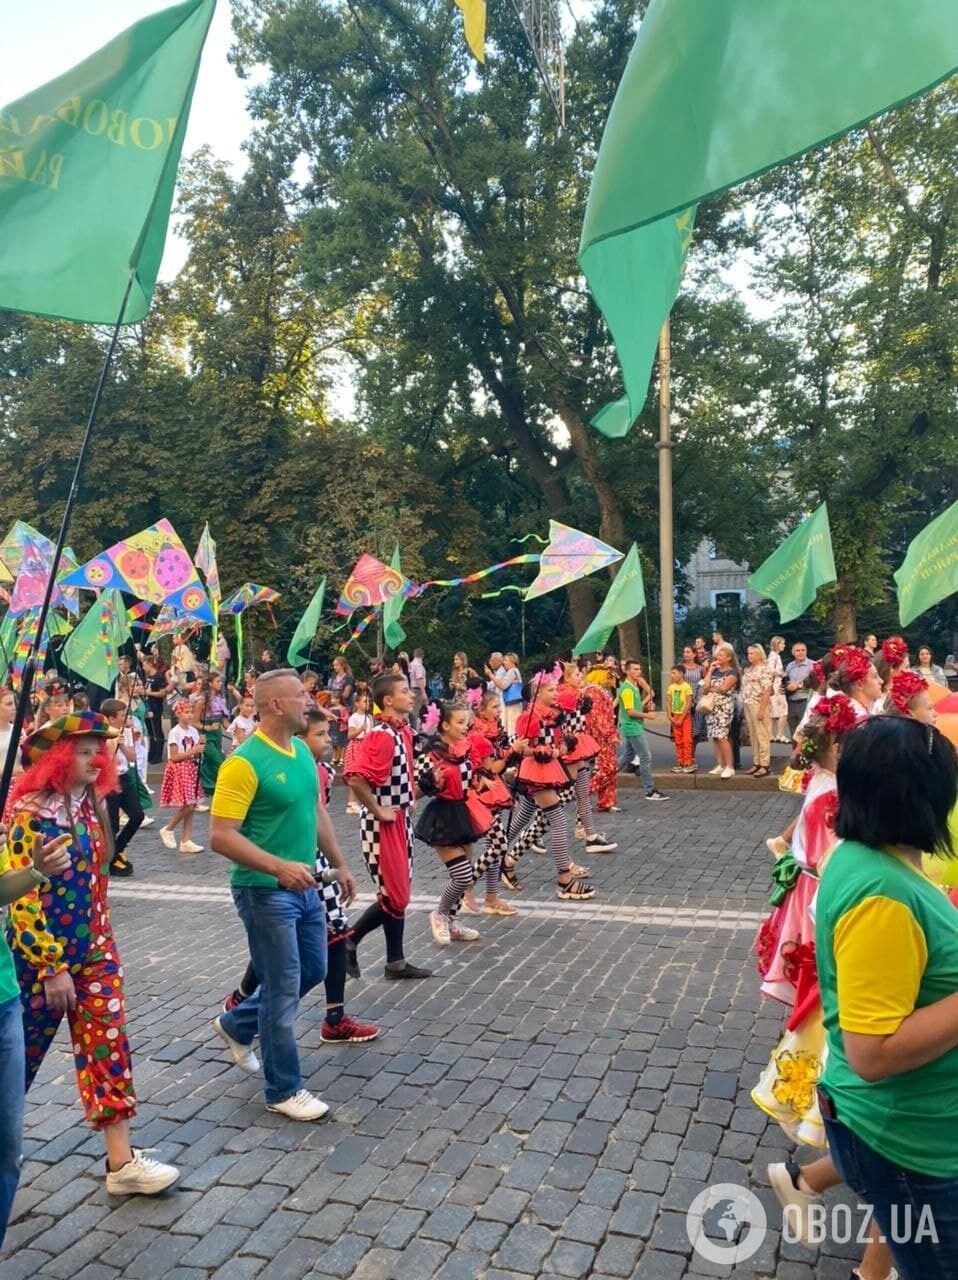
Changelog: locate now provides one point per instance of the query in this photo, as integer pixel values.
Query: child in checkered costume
(338, 1026)
(380, 774)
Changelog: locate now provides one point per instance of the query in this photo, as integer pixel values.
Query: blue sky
(50, 36)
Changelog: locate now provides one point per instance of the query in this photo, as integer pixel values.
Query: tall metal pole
(666, 557)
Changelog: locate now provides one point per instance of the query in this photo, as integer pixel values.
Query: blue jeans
(287, 943)
(11, 1110)
(638, 748)
(906, 1204)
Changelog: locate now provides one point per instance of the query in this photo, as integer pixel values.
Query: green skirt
(211, 760)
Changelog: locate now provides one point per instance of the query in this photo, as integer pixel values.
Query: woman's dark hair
(897, 784)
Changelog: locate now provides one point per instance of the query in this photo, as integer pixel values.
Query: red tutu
(496, 795)
(181, 784)
(541, 777)
(480, 817)
(586, 748)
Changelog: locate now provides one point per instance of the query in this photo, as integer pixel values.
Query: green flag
(8, 642)
(305, 631)
(792, 575)
(930, 569)
(392, 631)
(625, 599)
(87, 168)
(93, 647)
(714, 92)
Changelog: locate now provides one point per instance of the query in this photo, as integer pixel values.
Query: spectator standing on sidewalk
(797, 690)
(757, 681)
(417, 682)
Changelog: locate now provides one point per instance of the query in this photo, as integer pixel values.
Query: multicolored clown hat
(77, 724)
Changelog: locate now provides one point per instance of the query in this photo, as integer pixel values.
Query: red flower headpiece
(854, 663)
(894, 651)
(818, 673)
(905, 686)
(836, 713)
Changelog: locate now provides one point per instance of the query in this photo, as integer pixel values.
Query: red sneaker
(231, 1001)
(348, 1031)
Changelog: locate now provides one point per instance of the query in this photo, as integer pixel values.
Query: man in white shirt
(417, 681)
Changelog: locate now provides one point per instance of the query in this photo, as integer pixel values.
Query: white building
(715, 581)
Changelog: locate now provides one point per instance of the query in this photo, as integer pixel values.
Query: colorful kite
(249, 593)
(570, 554)
(33, 574)
(152, 565)
(372, 583)
(205, 559)
(14, 545)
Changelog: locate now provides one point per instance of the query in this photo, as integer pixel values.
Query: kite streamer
(358, 630)
(537, 536)
(528, 558)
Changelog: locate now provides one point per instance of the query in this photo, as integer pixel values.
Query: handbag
(706, 703)
(512, 693)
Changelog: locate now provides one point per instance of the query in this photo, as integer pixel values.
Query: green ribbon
(785, 873)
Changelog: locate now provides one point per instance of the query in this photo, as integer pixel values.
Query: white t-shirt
(361, 721)
(184, 738)
(126, 739)
(246, 725)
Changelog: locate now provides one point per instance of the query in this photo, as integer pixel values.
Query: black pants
(127, 799)
(154, 729)
(796, 709)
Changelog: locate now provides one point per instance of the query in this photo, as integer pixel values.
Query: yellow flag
(474, 20)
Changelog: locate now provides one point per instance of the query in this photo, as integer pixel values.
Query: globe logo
(726, 1224)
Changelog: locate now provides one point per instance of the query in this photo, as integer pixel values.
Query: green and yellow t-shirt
(274, 793)
(629, 699)
(679, 698)
(887, 944)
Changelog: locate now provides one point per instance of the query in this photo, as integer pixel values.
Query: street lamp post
(666, 558)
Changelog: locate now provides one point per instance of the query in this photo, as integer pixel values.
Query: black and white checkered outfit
(397, 792)
(337, 921)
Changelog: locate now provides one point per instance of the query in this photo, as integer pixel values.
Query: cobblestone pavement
(548, 1104)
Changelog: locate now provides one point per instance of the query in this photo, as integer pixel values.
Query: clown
(65, 955)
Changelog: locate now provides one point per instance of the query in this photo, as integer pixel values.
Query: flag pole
(666, 554)
(30, 666)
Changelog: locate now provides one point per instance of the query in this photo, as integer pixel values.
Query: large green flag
(792, 575)
(87, 169)
(93, 647)
(929, 572)
(305, 632)
(714, 92)
(625, 599)
(392, 631)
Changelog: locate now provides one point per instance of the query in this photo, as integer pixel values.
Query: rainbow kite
(569, 555)
(372, 583)
(152, 565)
(249, 593)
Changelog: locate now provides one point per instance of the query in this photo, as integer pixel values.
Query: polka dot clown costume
(65, 927)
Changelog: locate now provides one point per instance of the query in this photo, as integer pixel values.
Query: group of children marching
(849, 690)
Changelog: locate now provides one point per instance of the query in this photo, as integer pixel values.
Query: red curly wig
(894, 651)
(51, 773)
(906, 685)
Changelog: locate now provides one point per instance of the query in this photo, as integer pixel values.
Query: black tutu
(445, 824)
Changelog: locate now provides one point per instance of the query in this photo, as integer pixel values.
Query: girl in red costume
(574, 702)
(490, 755)
(541, 781)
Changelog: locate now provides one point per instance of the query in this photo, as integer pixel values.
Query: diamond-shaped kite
(151, 565)
(249, 593)
(570, 554)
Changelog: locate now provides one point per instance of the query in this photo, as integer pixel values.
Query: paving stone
(447, 1223)
(524, 1248)
(587, 1223)
(570, 1259)
(635, 1215)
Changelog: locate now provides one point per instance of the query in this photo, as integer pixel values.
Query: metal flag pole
(666, 554)
(30, 666)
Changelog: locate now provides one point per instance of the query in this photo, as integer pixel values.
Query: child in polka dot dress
(61, 938)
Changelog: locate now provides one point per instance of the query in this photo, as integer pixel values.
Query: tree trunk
(845, 617)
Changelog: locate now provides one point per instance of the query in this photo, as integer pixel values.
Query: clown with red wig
(64, 952)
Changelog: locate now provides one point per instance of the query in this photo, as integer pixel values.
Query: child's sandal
(579, 873)
(509, 879)
(575, 891)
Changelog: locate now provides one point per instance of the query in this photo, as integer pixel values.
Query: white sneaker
(168, 837)
(187, 846)
(147, 822)
(301, 1106)
(728, 773)
(783, 1179)
(462, 933)
(242, 1054)
(716, 771)
(599, 843)
(202, 808)
(140, 1176)
(440, 928)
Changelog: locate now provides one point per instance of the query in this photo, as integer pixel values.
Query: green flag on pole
(93, 647)
(392, 631)
(714, 92)
(87, 168)
(305, 631)
(792, 575)
(8, 642)
(625, 599)
(929, 572)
